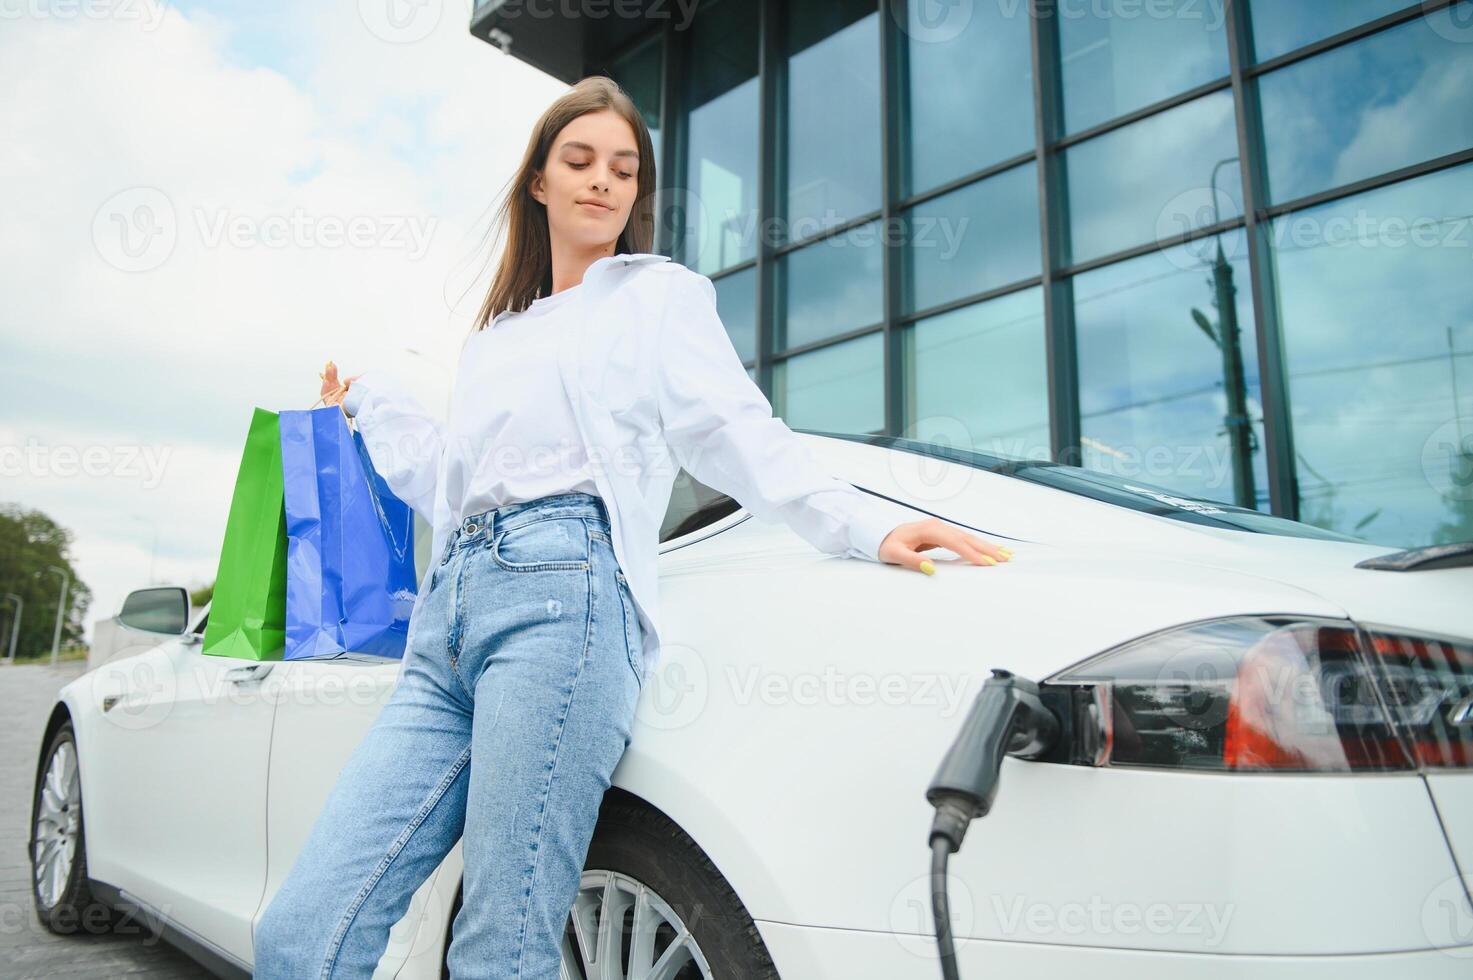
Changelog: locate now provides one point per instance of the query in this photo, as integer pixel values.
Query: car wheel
(59, 882)
(651, 901)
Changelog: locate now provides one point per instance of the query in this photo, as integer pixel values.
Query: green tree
(30, 543)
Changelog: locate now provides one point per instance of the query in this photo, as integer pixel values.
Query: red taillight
(1427, 683)
(1247, 693)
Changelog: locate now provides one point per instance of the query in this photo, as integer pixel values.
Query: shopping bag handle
(352, 422)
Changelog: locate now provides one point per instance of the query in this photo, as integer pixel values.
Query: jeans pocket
(633, 648)
(547, 545)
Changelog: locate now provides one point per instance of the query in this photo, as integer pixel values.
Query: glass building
(1222, 246)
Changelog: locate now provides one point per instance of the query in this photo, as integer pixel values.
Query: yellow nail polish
(989, 559)
(927, 567)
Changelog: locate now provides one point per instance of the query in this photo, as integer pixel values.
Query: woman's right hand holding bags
(333, 391)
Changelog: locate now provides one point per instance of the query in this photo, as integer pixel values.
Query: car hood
(1014, 511)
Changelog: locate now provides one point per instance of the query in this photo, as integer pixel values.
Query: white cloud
(113, 128)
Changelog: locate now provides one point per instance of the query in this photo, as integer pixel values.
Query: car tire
(57, 846)
(636, 841)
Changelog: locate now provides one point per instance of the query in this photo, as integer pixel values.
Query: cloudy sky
(204, 201)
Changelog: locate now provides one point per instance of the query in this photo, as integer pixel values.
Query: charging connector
(1007, 718)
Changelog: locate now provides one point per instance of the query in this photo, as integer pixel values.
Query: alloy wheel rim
(621, 929)
(54, 838)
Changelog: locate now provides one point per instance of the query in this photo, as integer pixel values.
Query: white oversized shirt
(511, 435)
(655, 385)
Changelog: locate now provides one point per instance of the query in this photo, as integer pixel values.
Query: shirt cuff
(872, 522)
(354, 398)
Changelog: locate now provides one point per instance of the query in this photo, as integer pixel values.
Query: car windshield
(1121, 491)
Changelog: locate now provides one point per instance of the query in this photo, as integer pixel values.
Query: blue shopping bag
(350, 572)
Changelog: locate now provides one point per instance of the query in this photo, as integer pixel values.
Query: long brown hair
(525, 270)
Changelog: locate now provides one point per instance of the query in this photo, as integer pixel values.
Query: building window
(1376, 301)
(1168, 371)
(968, 92)
(1280, 26)
(976, 379)
(976, 238)
(1398, 97)
(736, 302)
(830, 287)
(839, 388)
(1154, 179)
(1116, 58)
(833, 115)
(722, 137)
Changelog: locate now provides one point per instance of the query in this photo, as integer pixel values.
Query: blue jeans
(515, 704)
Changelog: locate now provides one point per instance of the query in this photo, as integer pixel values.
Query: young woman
(533, 629)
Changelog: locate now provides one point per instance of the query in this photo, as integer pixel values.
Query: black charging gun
(1007, 718)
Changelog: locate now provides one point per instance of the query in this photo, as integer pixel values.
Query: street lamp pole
(60, 611)
(1238, 425)
(14, 625)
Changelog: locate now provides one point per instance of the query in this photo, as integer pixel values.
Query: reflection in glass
(638, 74)
(1394, 99)
(1117, 58)
(1376, 302)
(1168, 371)
(1154, 179)
(830, 287)
(835, 389)
(736, 302)
(833, 114)
(721, 167)
(976, 378)
(973, 239)
(1280, 26)
(969, 94)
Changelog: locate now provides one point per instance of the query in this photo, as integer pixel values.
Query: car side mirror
(164, 609)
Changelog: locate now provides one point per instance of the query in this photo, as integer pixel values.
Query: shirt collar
(595, 271)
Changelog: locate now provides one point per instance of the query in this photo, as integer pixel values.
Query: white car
(1263, 766)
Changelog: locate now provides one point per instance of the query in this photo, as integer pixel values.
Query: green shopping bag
(248, 610)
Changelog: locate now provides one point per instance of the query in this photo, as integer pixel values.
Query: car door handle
(250, 672)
